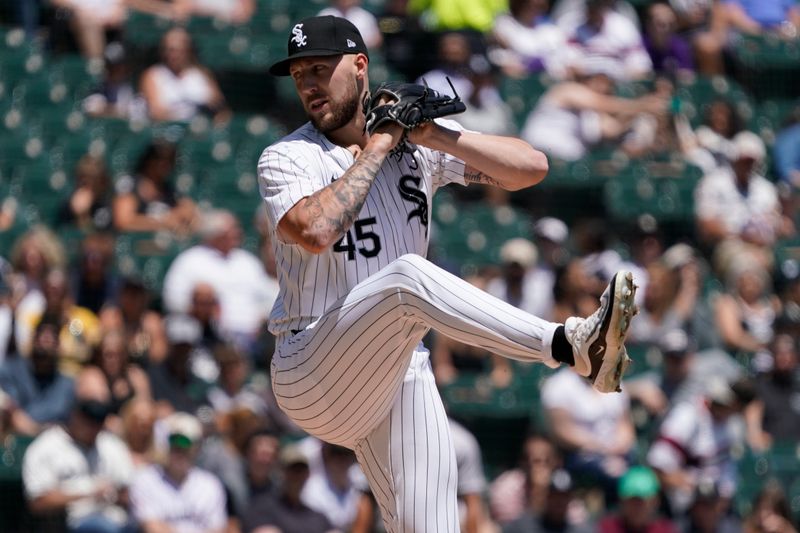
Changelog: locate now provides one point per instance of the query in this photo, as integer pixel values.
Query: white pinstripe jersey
(393, 221)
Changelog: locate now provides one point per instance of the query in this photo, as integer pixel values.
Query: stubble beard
(342, 111)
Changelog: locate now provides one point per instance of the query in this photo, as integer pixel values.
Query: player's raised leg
(338, 378)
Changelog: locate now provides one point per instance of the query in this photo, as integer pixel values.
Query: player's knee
(409, 264)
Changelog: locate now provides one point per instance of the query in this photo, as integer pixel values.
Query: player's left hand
(422, 134)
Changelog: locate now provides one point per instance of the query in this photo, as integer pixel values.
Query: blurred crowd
(147, 407)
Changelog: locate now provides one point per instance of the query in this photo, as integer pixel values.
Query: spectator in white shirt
(608, 40)
(179, 497)
(245, 291)
(529, 41)
(80, 469)
(738, 211)
(332, 487)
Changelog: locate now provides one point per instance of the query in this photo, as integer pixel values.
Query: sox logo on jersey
(417, 197)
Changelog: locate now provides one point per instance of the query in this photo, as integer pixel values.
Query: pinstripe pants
(356, 378)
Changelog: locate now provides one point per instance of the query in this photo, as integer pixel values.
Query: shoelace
(590, 323)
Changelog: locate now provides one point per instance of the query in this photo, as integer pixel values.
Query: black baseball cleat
(598, 341)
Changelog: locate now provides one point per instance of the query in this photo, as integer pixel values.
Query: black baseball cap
(320, 36)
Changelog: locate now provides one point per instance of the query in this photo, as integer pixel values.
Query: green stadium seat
(143, 30)
(664, 191)
(697, 94)
(521, 95)
(147, 255)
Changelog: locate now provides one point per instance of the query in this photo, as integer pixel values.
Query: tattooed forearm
(332, 210)
(476, 176)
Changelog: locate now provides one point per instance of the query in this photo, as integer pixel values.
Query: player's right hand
(386, 136)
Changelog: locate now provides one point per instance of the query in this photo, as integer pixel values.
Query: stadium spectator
(774, 416)
(115, 96)
(789, 288)
(331, 486)
(447, 15)
(245, 291)
(143, 327)
(659, 390)
(518, 256)
(550, 236)
(708, 512)
(232, 389)
(363, 20)
(231, 11)
(555, 514)
(566, 12)
(94, 283)
(471, 482)
(284, 509)
(204, 308)
(574, 116)
(594, 430)
(670, 299)
(528, 42)
(669, 52)
(737, 210)
(7, 338)
(710, 146)
(80, 328)
(174, 386)
(786, 152)
(146, 201)
(755, 17)
(80, 469)
(112, 363)
(177, 495)
(745, 313)
(605, 39)
(138, 423)
(40, 394)
(34, 254)
(454, 52)
(771, 512)
(573, 290)
(653, 136)
(241, 453)
(486, 109)
(524, 489)
(702, 22)
(178, 88)
(694, 442)
(91, 21)
(89, 205)
(638, 508)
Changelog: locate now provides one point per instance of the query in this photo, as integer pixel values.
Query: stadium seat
(147, 255)
(665, 191)
(521, 95)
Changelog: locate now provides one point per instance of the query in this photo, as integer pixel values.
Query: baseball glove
(409, 105)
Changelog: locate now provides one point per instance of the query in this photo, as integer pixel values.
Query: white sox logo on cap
(299, 36)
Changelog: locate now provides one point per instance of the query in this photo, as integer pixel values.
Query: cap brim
(281, 68)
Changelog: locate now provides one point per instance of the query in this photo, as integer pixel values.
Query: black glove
(409, 105)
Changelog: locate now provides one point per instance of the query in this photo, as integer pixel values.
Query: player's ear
(361, 62)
